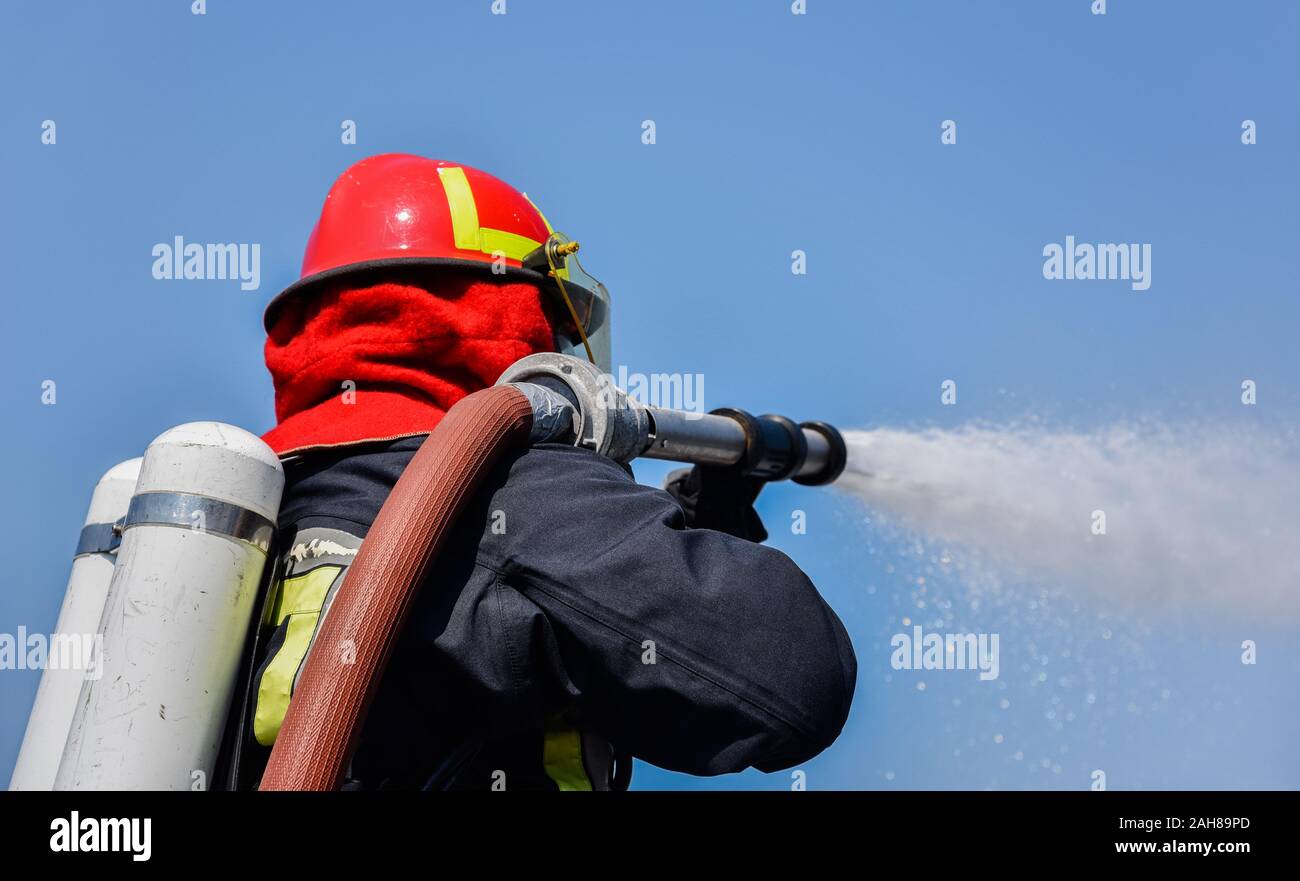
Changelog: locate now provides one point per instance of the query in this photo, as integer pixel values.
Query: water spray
(1195, 517)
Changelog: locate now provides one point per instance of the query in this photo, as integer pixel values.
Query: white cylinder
(74, 634)
(178, 611)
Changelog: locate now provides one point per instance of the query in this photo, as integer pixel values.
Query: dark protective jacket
(569, 596)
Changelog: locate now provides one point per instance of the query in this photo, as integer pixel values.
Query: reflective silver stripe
(180, 509)
(99, 538)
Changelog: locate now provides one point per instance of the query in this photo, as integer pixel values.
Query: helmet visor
(583, 329)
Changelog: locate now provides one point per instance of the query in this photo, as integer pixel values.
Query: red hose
(352, 648)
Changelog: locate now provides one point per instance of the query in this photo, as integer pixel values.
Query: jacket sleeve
(689, 648)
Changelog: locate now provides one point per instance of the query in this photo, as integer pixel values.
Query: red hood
(410, 352)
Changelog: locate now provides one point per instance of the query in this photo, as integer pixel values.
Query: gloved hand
(718, 498)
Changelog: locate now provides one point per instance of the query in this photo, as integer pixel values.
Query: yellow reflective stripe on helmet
(562, 759)
(549, 229)
(516, 247)
(465, 230)
(300, 600)
(464, 213)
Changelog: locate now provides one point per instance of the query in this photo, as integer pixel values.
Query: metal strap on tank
(99, 538)
(179, 509)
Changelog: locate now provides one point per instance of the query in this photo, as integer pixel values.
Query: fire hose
(541, 398)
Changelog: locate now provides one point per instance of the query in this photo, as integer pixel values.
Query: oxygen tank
(194, 545)
(83, 605)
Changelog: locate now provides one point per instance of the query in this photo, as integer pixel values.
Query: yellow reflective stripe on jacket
(465, 229)
(299, 599)
(562, 759)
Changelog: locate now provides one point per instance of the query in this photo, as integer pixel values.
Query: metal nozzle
(606, 420)
(771, 447)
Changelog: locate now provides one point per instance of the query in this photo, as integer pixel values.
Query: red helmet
(398, 211)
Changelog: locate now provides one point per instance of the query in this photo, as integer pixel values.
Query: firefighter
(576, 618)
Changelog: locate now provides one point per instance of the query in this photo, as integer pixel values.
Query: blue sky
(775, 132)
